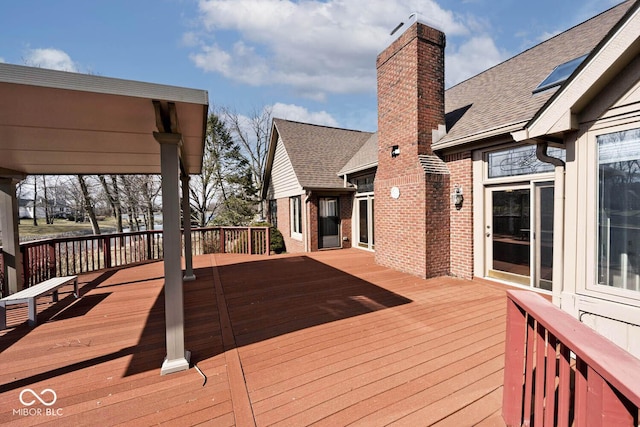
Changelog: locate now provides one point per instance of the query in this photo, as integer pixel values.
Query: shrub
(276, 243)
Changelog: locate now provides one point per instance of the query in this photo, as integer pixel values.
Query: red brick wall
(312, 211)
(437, 238)
(461, 168)
(400, 226)
(412, 231)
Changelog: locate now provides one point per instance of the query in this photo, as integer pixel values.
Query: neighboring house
(527, 174)
(57, 209)
(27, 208)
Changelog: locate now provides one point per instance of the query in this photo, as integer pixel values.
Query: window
(619, 209)
(560, 74)
(295, 204)
(364, 184)
(273, 213)
(520, 161)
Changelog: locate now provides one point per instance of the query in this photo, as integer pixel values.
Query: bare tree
(46, 201)
(112, 194)
(150, 189)
(88, 205)
(132, 197)
(35, 198)
(252, 134)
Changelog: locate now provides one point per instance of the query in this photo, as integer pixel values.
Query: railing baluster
(528, 377)
(580, 416)
(564, 386)
(538, 411)
(550, 383)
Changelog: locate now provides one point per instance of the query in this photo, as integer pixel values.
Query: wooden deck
(327, 339)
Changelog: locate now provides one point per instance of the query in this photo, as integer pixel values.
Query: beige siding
(284, 182)
(611, 311)
(625, 335)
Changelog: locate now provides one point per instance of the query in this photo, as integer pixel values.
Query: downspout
(558, 220)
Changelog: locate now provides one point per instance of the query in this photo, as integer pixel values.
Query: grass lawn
(60, 226)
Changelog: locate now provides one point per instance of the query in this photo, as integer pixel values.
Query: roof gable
(317, 153)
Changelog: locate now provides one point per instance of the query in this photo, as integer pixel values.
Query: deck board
(328, 338)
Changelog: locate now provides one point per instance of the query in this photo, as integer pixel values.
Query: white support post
(9, 218)
(177, 358)
(186, 225)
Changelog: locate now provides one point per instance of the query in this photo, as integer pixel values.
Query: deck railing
(559, 372)
(44, 259)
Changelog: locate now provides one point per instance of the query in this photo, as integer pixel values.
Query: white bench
(30, 294)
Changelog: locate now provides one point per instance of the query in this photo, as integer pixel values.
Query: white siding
(283, 182)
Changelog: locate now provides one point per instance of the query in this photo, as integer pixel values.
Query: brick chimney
(412, 184)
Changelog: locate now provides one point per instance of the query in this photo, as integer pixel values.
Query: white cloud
(472, 57)
(54, 59)
(2, 59)
(301, 114)
(315, 47)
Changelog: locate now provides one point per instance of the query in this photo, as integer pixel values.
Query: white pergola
(55, 122)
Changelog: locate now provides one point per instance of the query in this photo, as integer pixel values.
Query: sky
(308, 60)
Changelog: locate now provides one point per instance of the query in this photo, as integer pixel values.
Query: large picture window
(296, 216)
(619, 209)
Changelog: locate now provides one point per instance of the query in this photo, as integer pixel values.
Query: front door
(328, 223)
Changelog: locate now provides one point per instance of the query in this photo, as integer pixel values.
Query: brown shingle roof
(365, 157)
(317, 153)
(502, 95)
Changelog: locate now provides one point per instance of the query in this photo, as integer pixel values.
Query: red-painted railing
(44, 259)
(559, 372)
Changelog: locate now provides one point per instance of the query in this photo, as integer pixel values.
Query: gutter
(484, 134)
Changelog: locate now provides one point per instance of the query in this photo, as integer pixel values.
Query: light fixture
(395, 151)
(456, 197)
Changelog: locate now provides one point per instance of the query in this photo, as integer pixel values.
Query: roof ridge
(321, 126)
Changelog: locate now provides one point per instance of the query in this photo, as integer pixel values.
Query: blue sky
(311, 60)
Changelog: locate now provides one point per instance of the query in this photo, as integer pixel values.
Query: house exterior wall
(610, 310)
(412, 226)
(461, 221)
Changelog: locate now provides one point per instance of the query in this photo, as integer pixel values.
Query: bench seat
(30, 294)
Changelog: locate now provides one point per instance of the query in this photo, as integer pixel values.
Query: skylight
(560, 74)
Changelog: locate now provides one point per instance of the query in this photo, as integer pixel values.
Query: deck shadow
(269, 298)
(264, 299)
